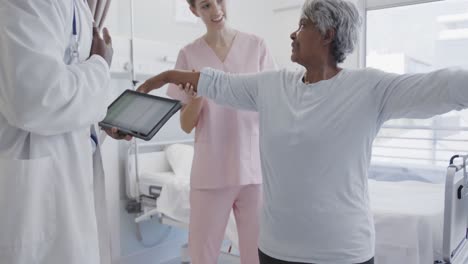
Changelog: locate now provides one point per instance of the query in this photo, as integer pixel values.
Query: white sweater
(315, 146)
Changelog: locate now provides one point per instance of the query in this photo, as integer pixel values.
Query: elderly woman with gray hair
(317, 126)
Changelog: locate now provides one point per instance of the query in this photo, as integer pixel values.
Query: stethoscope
(75, 45)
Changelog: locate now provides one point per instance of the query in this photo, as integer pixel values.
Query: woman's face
(308, 44)
(211, 12)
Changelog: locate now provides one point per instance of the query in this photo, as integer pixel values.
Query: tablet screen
(137, 112)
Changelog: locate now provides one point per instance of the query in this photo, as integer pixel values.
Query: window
(413, 39)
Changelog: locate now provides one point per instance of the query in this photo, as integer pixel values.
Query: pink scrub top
(226, 140)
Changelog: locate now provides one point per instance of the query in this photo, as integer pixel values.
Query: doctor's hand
(102, 47)
(116, 134)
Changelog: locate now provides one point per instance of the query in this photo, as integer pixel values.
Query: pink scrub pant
(209, 215)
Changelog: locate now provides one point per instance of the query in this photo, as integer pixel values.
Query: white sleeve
(38, 91)
(422, 95)
(239, 91)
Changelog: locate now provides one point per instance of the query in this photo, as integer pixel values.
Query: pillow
(180, 158)
(152, 162)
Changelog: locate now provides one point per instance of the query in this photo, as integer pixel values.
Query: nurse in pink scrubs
(226, 171)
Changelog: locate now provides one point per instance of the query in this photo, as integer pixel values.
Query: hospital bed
(416, 222)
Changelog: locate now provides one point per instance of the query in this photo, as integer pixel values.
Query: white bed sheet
(408, 217)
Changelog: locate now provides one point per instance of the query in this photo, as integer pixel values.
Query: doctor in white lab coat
(54, 86)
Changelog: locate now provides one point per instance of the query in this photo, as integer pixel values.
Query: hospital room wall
(155, 21)
(280, 23)
(155, 25)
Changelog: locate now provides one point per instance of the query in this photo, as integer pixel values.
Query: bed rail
(455, 229)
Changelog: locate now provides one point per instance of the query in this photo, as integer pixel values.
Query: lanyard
(75, 31)
(74, 47)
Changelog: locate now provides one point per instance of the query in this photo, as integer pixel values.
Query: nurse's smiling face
(211, 12)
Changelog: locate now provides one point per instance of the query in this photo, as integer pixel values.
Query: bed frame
(455, 213)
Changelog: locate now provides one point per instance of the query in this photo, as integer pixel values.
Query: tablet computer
(140, 115)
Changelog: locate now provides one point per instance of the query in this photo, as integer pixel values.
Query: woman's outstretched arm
(239, 91)
(177, 77)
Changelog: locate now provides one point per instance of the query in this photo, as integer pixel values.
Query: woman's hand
(153, 83)
(175, 77)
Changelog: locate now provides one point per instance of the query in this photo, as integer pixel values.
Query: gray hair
(339, 15)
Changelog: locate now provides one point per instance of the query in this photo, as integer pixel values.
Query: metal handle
(453, 159)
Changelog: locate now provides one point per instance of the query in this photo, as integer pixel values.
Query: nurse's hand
(102, 47)
(189, 90)
(116, 134)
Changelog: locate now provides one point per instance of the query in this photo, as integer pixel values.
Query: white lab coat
(52, 201)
